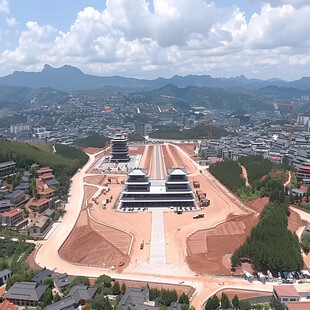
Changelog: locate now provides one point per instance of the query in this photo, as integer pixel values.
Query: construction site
(152, 243)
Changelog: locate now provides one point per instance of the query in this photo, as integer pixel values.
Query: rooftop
(7, 163)
(286, 291)
(177, 171)
(137, 172)
(39, 221)
(40, 202)
(12, 212)
(25, 291)
(43, 274)
(299, 305)
(5, 272)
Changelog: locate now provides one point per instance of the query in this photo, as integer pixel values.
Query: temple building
(119, 149)
(142, 192)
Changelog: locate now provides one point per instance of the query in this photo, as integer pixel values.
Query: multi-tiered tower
(119, 149)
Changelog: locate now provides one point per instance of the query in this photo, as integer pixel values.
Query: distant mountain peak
(47, 67)
(66, 68)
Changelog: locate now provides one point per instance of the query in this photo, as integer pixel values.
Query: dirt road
(221, 205)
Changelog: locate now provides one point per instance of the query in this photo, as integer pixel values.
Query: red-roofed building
(12, 218)
(47, 176)
(43, 191)
(44, 170)
(40, 205)
(285, 293)
(303, 171)
(300, 305)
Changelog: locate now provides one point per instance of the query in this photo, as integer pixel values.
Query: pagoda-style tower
(119, 149)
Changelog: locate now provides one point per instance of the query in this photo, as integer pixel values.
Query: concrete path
(157, 248)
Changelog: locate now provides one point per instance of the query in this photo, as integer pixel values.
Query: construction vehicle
(198, 216)
(196, 184)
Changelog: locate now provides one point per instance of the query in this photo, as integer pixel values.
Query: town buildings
(7, 168)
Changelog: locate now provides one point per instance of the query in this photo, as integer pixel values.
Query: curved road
(47, 255)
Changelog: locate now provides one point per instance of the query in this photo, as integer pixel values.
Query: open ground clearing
(108, 232)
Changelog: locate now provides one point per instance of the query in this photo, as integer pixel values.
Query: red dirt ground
(187, 147)
(173, 159)
(207, 248)
(294, 221)
(88, 190)
(257, 204)
(31, 262)
(87, 246)
(242, 294)
(135, 150)
(146, 158)
(116, 237)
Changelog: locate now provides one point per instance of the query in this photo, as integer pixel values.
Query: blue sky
(258, 38)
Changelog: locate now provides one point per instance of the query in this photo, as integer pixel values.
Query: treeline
(134, 137)
(214, 303)
(25, 155)
(12, 256)
(72, 153)
(228, 173)
(262, 188)
(92, 141)
(256, 166)
(198, 132)
(271, 245)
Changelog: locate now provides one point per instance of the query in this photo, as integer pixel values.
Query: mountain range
(68, 78)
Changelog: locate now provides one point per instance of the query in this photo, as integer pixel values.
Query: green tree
(106, 280)
(47, 298)
(184, 299)
(235, 302)
(32, 170)
(123, 289)
(305, 242)
(185, 307)
(48, 281)
(212, 303)
(56, 297)
(245, 305)
(225, 304)
(276, 304)
(80, 280)
(116, 288)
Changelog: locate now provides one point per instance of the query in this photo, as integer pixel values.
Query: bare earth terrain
(91, 240)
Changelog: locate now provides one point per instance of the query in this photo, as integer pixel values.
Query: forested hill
(25, 155)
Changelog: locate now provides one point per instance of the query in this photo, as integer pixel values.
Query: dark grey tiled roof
(66, 303)
(43, 274)
(79, 292)
(26, 291)
(62, 280)
(5, 272)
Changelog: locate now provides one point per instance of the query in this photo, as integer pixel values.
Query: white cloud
(277, 3)
(4, 6)
(11, 21)
(175, 37)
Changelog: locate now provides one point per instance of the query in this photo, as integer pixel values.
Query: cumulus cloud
(4, 6)
(277, 3)
(172, 37)
(11, 21)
